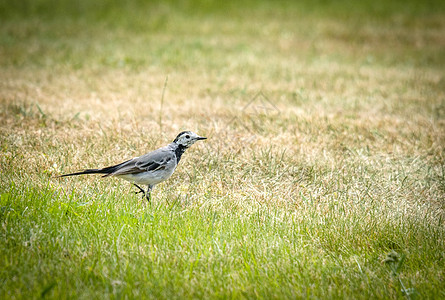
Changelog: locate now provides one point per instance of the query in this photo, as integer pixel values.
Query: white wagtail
(151, 168)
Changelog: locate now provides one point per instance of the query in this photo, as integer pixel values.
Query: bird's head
(187, 138)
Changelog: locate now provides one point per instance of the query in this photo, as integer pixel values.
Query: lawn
(323, 175)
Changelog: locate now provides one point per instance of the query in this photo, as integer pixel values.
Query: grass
(323, 175)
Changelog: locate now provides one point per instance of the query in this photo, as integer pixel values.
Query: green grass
(74, 246)
(325, 153)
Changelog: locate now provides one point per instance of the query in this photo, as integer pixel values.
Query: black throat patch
(179, 151)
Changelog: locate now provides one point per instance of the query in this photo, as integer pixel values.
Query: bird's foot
(148, 196)
(141, 190)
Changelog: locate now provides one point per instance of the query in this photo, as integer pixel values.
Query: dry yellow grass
(330, 121)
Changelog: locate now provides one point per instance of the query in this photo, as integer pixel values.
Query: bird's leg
(141, 190)
(148, 194)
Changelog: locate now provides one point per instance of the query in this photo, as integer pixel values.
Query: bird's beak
(201, 138)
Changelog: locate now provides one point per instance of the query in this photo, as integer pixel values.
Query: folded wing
(154, 161)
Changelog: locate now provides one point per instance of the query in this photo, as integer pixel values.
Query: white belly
(150, 177)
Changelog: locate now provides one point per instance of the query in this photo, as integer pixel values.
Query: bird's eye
(187, 136)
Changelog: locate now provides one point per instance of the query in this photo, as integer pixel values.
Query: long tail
(106, 171)
(88, 171)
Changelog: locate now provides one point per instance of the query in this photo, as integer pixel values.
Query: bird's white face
(187, 138)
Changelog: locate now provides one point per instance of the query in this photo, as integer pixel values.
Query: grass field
(323, 175)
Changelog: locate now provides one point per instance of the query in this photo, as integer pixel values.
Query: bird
(151, 168)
